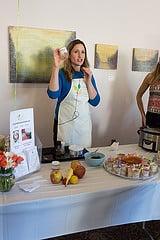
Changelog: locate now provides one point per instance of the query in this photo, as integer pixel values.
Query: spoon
(96, 150)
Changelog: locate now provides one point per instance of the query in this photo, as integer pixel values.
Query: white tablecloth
(98, 200)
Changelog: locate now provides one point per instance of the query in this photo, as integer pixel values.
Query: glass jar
(55, 165)
(7, 180)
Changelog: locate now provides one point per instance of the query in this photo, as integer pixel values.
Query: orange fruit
(74, 179)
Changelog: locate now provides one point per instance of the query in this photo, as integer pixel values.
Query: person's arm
(54, 83)
(57, 61)
(53, 87)
(144, 86)
(94, 97)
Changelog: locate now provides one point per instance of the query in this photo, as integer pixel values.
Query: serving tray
(152, 175)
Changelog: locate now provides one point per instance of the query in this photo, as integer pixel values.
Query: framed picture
(31, 52)
(144, 60)
(106, 56)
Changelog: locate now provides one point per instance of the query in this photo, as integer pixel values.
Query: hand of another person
(87, 74)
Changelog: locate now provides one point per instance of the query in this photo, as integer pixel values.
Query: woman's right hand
(58, 58)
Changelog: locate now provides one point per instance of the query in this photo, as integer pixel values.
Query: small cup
(130, 171)
(123, 169)
(145, 172)
(136, 173)
(63, 52)
(154, 168)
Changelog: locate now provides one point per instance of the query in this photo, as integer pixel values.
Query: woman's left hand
(87, 74)
(88, 80)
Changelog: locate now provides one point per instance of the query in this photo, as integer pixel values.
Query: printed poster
(22, 141)
(22, 130)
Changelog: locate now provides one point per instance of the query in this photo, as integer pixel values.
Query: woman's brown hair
(68, 69)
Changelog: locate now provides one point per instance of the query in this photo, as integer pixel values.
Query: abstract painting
(144, 60)
(31, 52)
(106, 56)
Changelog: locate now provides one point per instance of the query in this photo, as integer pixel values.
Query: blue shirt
(65, 86)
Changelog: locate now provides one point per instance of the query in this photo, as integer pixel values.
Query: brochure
(22, 141)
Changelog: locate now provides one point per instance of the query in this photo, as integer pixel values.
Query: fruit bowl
(94, 159)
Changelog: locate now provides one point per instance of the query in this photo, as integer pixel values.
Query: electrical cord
(75, 113)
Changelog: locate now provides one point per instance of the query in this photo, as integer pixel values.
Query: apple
(79, 171)
(56, 176)
(75, 163)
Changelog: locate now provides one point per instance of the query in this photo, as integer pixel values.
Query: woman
(75, 88)
(151, 81)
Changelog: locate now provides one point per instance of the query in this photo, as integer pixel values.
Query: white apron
(74, 120)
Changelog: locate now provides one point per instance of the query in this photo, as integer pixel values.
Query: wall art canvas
(106, 56)
(31, 52)
(144, 60)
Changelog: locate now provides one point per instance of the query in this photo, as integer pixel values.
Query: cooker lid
(154, 131)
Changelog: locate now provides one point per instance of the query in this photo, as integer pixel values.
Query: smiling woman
(75, 88)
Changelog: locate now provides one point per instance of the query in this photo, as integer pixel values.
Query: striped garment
(154, 99)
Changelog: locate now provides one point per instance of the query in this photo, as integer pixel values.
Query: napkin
(29, 187)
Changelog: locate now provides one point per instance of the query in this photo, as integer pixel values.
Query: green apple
(56, 176)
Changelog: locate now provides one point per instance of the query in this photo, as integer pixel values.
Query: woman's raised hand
(87, 74)
(58, 58)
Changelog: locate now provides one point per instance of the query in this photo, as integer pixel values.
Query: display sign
(22, 141)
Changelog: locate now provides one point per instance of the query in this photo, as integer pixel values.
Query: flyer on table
(22, 130)
(22, 141)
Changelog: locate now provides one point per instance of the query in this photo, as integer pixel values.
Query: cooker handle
(138, 131)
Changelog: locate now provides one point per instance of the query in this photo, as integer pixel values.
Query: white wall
(127, 24)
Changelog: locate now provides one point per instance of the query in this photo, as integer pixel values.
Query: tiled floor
(124, 232)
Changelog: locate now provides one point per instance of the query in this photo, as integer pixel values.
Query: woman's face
(77, 55)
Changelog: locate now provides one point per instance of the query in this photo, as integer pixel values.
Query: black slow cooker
(149, 138)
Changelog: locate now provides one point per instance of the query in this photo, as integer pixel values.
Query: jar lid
(55, 163)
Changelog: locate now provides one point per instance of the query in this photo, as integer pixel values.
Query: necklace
(77, 87)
